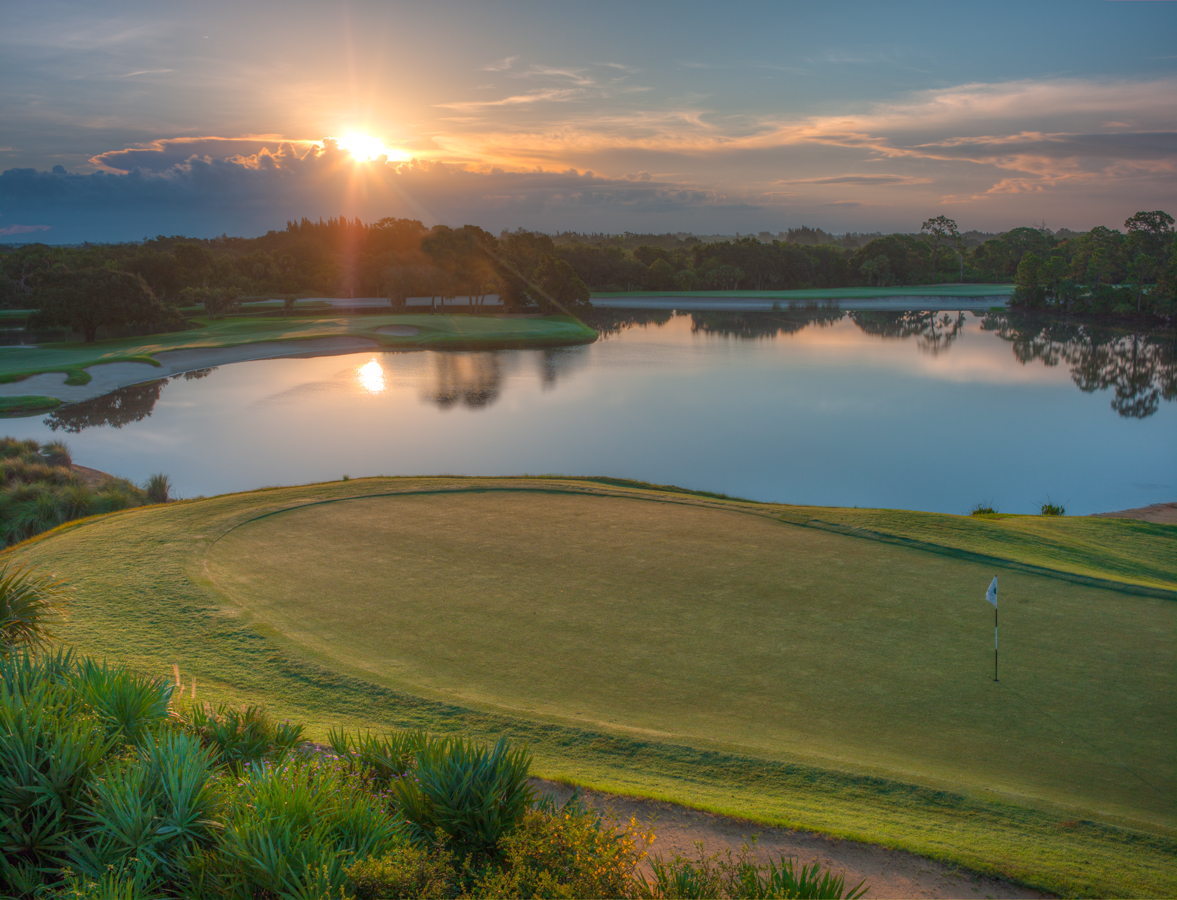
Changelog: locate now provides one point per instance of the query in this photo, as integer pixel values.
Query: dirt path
(888, 873)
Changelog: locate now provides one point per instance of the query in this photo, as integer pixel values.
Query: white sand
(107, 377)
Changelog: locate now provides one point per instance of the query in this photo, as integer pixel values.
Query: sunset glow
(364, 147)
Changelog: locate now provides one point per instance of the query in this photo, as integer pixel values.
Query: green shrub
(129, 706)
(405, 872)
(473, 794)
(240, 737)
(380, 759)
(569, 852)
(150, 815)
(48, 756)
(1049, 509)
(30, 605)
(981, 509)
(293, 829)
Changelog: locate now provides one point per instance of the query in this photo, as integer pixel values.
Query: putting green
(696, 624)
(737, 656)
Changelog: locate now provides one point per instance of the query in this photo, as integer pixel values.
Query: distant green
(435, 332)
(27, 403)
(690, 648)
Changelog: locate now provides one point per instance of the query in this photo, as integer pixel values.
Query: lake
(880, 409)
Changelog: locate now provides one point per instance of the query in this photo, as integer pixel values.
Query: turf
(692, 648)
(846, 293)
(25, 404)
(438, 332)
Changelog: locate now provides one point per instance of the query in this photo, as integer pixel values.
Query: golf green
(723, 626)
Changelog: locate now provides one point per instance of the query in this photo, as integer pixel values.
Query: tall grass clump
(158, 488)
(40, 489)
(736, 876)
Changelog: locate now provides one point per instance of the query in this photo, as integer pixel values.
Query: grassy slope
(144, 585)
(848, 293)
(1138, 553)
(440, 332)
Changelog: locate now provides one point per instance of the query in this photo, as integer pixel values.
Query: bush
(982, 510)
(569, 852)
(240, 737)
(1049, 509)
(380, 759)
(473, 795)
(130, 707)
(405, 872)
(738, 877)
(293, 829)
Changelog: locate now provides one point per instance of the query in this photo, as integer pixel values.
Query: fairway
(699, 649)
(702, 624)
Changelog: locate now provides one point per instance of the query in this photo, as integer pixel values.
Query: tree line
(1103, 271)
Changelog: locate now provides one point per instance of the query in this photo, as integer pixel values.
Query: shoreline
(107, 377)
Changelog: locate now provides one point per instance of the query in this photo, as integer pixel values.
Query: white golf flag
(991, 594)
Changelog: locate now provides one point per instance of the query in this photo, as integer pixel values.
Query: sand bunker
(398, 330)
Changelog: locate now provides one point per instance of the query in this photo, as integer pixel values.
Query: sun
(364, 147)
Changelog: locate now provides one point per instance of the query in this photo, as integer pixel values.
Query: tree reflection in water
(935, 332)
(608, 322)
(472, 379)
(1139, 366)
(118, 408)
(755, 325)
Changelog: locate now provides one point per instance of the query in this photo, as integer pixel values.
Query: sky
(121, 120)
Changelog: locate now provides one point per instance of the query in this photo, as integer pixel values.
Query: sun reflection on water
(371, 377)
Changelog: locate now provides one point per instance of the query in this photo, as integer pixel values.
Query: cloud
(860, 180)
(164, 189)
(22, 229)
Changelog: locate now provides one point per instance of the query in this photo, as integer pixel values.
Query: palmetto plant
(130, 706)
(380, 758)
(473, 794)
(30, 605)
(240, 737)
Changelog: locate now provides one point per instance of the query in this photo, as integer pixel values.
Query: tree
(942, 231)
(1148, 233)
(561, 287)
(1029, 290)
(89, 299)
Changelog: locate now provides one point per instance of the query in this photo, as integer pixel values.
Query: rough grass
(846, 293)
(669, 645)
(437, 332)
(1137, 553)
(26, 404)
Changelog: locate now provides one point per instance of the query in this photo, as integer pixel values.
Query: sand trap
(888, 873)
(398, 330)
(108, 377)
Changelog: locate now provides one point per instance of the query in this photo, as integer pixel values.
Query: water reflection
(934, 332)
(472, 379)
(118, 408)
(751, 326)
(371, 377)
(1139, 367)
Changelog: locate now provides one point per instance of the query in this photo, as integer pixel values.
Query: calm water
(874, 409)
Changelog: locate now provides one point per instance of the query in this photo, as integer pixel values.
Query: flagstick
(995, 642)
